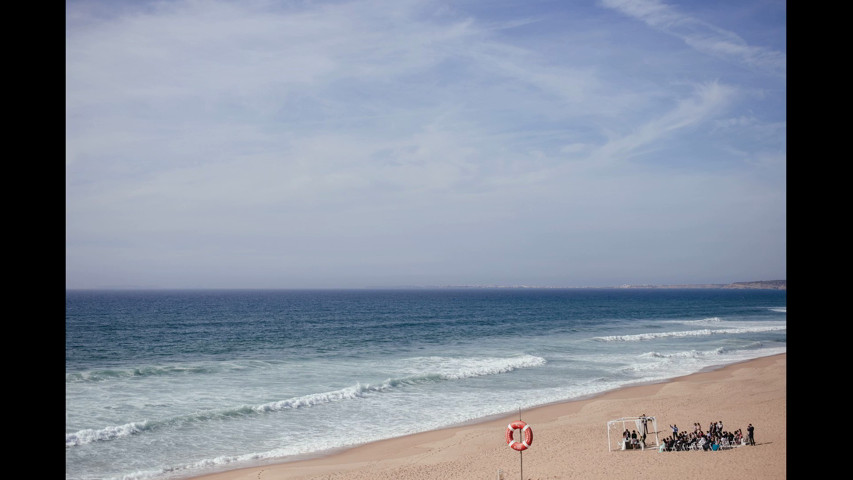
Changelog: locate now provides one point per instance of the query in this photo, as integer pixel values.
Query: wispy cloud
(709, 99)
(701, 35)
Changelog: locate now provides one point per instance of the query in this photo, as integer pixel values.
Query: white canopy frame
(635, 423)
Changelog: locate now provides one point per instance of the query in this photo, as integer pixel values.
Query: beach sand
(570, 439)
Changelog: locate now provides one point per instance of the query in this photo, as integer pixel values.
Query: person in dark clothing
(750, 430)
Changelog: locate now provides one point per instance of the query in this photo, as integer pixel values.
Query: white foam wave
(779, 309)
(685, 354)
(700, 354)
(348, 393)
(88, 435)
(654, 365)
(424, 369)
(704, 321)
(203, 368)
(688, 333)
(450, 368)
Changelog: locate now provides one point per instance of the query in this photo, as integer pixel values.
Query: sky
(396, 143)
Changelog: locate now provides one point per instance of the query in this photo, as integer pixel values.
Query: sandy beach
(570, 439)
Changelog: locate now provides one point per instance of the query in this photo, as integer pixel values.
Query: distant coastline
(760, 285)
(756, 285)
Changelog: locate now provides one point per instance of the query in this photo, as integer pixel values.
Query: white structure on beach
(615, 440)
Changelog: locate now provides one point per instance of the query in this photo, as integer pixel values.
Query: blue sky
(349, 144)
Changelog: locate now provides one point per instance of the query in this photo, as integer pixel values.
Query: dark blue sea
(172, 384)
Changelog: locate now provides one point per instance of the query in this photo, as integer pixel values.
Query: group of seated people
(716, 438)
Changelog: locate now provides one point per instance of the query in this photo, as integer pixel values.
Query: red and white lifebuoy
(526, 431)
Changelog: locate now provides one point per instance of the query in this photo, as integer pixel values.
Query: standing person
(674, 430)
(750, 429)
(645, 424)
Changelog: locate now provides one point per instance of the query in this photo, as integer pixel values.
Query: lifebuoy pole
(520, 452)
(525, 440)
(521, 465)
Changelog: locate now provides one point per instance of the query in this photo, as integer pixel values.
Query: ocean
(171, 384)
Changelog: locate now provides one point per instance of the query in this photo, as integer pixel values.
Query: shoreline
(571, 436)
